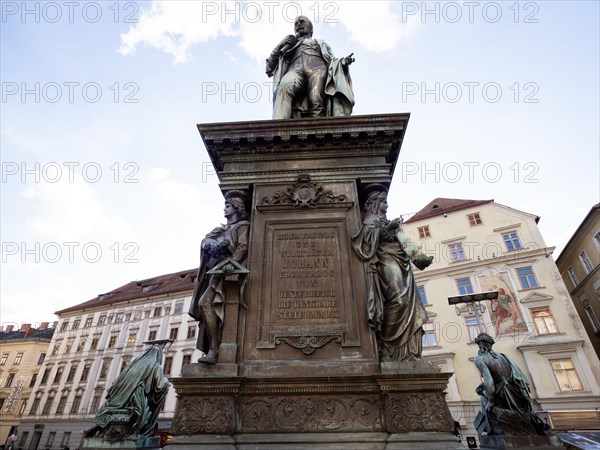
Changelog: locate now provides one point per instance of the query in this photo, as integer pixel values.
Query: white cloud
(174, 27)
(68, 211)
(360, 19)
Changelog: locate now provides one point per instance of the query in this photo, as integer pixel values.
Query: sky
(105, 178)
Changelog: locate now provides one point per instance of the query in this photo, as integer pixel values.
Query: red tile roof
(440, 206)
(150, 287)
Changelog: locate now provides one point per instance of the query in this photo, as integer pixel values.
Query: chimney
(44, 325)
(9, 328)
(25, 327)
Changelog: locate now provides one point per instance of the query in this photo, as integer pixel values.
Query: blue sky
(117, 184)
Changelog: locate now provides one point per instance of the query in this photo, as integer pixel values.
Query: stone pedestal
(149, 443)
(299, 364)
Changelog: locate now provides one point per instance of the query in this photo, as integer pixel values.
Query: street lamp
(474, 305)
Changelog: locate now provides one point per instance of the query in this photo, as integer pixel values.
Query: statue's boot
(209, 358)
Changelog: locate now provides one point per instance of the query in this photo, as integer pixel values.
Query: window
(2, 402)
(473, 328)
(573, 276)
(566, 375)
(88, 322)
(191, 334)
(95, 402)
(152, 335)
(131, 340)
(157, 311)
(45, 376)
(51, 437)
(127, 317)
(512, 241)
(71, 374)
(61, 404)
(23, 438)
(593, 318)
(585, 261)
(48, 405)
(3, 359)
(429, 339)
(41, 359)
(64, 325)
(597, 239)
(119, 318)
(9, 380)
(527, 278)
(58, 375)
(81, 343)
(76, 323)
(137, 315)
(101, 320)
(76, 403)
(126, 360)
(56, 347)
(464, 286)
(167, 365)
(68, 345)
(112, 341)
(147, 313)
(422, 294)
(178, 308)
(23, 406)
(167, 310)
(187, 359)
(424, 232)
(173, 334)
(456, 252)
(33, 380)
(104, 369)
(34, 406)
(474, 219)
(544, 321)
(94, 344)
(85, 372)
(66, 438)
(18, 358)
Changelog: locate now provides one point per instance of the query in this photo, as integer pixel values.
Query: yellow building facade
(22, 354)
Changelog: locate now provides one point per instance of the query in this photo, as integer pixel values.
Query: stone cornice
(471, 266)
(329, 148)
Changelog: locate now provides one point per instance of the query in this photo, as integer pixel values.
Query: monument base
(320, 441)
(402, 410)
(148, 443)
(519, 442)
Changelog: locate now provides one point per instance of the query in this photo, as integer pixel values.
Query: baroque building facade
(579, 265)
(22, 355)
(481, 246)
(92, 344)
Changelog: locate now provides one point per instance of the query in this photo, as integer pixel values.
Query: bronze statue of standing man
(308, 80)
(226, 241)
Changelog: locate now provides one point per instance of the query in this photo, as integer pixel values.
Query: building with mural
(482, 246)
